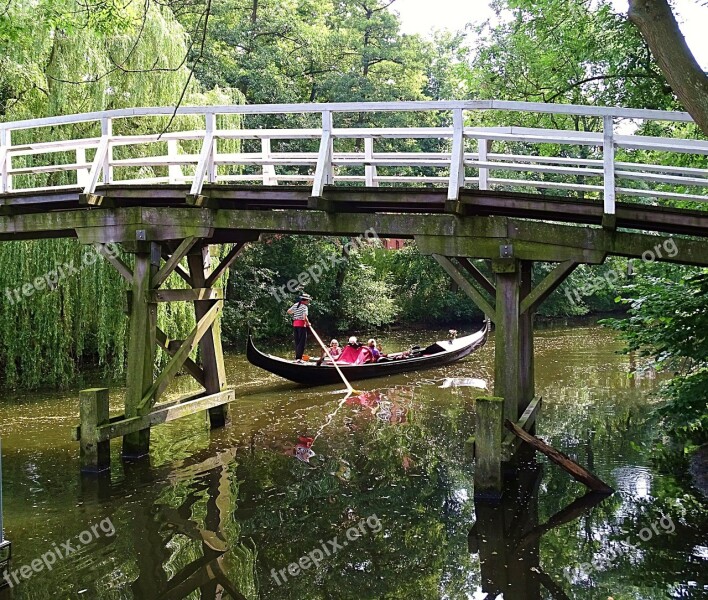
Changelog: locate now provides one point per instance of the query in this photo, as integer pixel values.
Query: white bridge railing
(499, 157)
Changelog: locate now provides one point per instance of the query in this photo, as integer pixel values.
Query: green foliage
(668, 320)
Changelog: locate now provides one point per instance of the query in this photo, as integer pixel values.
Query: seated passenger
(334, 351)
(353, 342)
(375, 352)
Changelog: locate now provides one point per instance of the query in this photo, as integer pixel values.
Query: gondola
(435, 355)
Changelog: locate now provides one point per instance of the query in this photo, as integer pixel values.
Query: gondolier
(299, 312)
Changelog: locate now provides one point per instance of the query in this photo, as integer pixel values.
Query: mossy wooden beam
(511, 442)
(224, 265)
(162, 414)
(142, 348)
(527, 383)
(190, 295)
(93, 409)
(507, 342)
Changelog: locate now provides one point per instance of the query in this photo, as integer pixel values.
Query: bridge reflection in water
(507, 536)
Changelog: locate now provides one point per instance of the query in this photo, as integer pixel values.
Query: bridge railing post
(174, 171)
(82, 173)
(268, 171)
(324, 174)
(369, 169)
(5, 161)
(211, 134)
(483, 147)
(608, 157)
(457, 157)
(107, 131)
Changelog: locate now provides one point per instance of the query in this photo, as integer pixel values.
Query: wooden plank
(483, 147)
(527, 420)
(161, 415)
(547, 286)
(174, 260)
(608, 157)
(562, 460)
(190, 295)
(370, 168)
(466, 286)
(141, 354)
(224, 265)
(570, 109)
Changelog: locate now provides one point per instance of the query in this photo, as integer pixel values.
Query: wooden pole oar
(350, 389)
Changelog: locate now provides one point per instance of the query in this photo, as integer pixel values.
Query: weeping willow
(78, 66)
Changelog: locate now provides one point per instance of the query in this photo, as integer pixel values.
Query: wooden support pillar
(507, 368)
(210, 344)
(526, 350)
(488, 448)
(142, 347)
(93, 409)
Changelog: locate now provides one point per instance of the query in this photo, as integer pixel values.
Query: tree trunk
(661, 32)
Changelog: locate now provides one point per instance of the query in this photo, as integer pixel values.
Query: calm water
(223, 514)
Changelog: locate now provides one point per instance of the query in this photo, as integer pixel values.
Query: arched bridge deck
(472, 179)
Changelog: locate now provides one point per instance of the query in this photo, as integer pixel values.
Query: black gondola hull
(311, 374)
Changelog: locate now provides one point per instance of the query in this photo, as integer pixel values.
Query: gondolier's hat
(305, 296)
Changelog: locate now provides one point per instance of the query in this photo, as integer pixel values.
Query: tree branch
(660, 30)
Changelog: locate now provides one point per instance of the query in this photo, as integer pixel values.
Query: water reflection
(506, 537)
(213, 513)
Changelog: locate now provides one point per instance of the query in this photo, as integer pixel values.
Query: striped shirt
(298, 311)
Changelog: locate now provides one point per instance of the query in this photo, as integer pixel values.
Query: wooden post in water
(507, 340)
(210, 345)
(142, 347)
(488, 448)
(93, 409)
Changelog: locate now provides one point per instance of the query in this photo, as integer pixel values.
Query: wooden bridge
(463, 179)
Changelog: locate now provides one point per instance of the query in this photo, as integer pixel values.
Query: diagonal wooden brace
(224, 264)
(477, 297)
(181, 355)
(173, 261)
(546, 287)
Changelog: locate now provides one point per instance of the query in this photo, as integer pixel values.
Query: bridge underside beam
(447, 235)
(352, 200)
